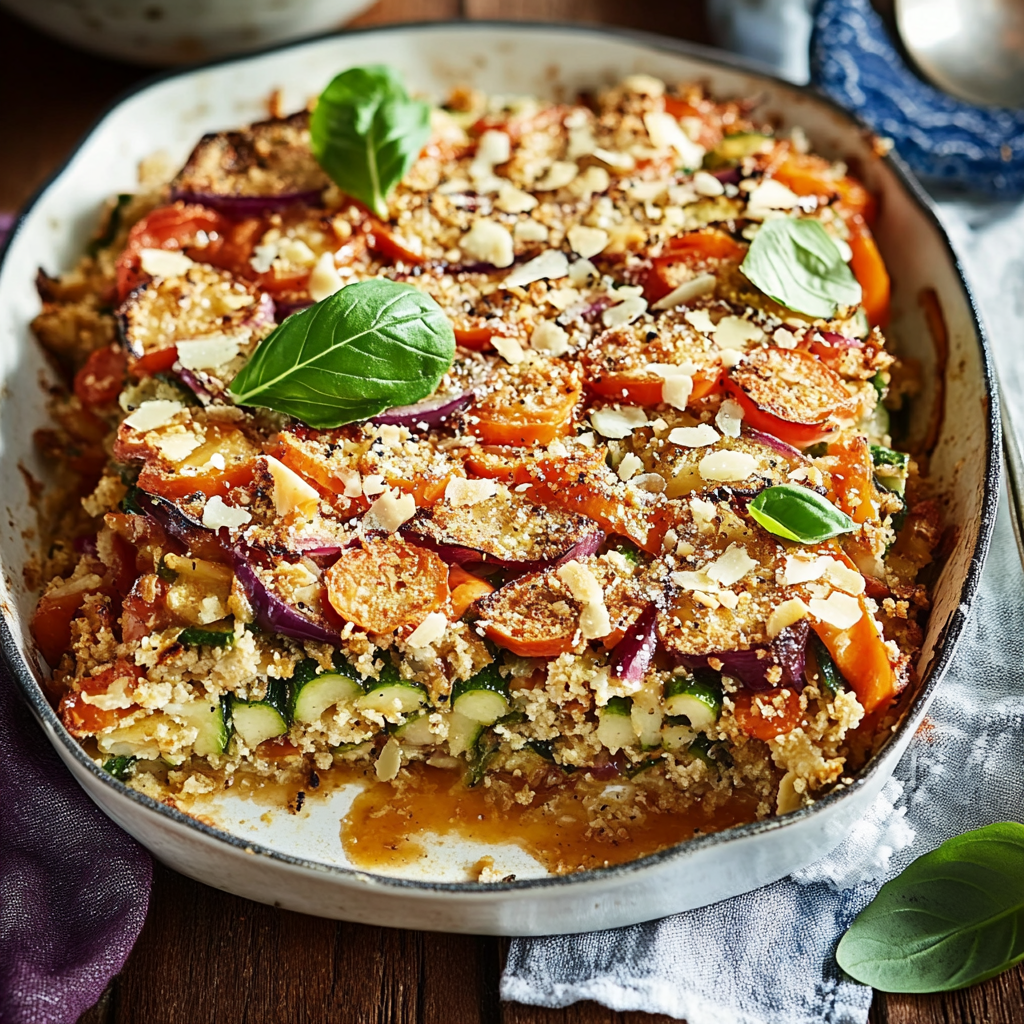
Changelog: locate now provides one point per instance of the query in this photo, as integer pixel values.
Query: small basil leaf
(954, 917)
(371, 346)
(365, 132)
(795, 262)
(798, 513)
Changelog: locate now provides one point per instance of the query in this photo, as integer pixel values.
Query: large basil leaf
(366, 132)
(954, 917)
(371, 346)
(798, 513)
(796, 263)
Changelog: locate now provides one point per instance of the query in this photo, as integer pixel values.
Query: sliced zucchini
(697, 698)
(416, 730)
(615, 724)
(543, 748)
(122, 767)
(392, 695)
(212, 720)
(821, 669)
(733, 148)
(646, 725)
(214, 635)
(257, 721)
(351, 751)
(112, 226)
(463, 734)
(891, 468)
(313, 692)
(484, 698)
(677, 734)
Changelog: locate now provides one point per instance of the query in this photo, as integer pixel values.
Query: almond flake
(629, 466)
(688, 580)
(530, 230)
(153, 414)
(177, 447)
(582, 583)
(560, 173)
(489, 242)
(729, 418)
(839, 610)
(768, 196)
(700, 319)
(324, 279)
(707, 184)
(618, 422)
(666, 133)
(736, 332)
(633, 304)
(164, 262)
(390, 511)
(514, 200)
(463, 492)
(784, 338)
(696, 288)
(730, 566)
(508, 348)
(549, 265)
(549, 337)
(723, 466)
(217, 514)
(429, 631)
(694, 437)
(586, 241)
(785, 615)
(207, 353)
(389, 761)
(291, 493)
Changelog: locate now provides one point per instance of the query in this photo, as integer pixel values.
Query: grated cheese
(463, 492)
(731, 566)
(694, 437)
(702, 284)
(582, 583)
(550, 264)
(550, 338)
(164, 262)
(217, 514)
(729, 418)
(587, 242)
(150, 415)
(726, 465)
(390, 511)
(839, 610)
(785, 615)
(207, 353)
(291, 493)
(619, 421)
(429, 631)
(489, 242)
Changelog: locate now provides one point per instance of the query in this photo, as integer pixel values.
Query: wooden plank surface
(204, 956)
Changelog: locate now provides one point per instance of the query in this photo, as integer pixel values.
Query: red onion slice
(788, 650)
(632, 655)
(238, 207)
(428, 413)
(840, 340)
(770, 441)
(273, 613)
(197, 382)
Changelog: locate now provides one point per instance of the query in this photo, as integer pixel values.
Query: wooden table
(206, 956)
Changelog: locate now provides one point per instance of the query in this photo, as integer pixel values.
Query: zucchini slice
(313, 693)
(392, 695)
(257, 721)
(211, 636)
(821, 669)
(416, 730)
(484, 698)
(697, 698)
(615, 724)
(677, 734)
(212, 719)
(733, 148)
(463, 734)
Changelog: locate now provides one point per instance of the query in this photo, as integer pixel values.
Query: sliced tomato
(386, 584)
(853, 479)
(696, 250)
(201, 470)
(466, 590)
(279, 747)
(861, 656)
(790, 394)
(767, 715)
(809, 175)
(100, 380)
(84, 719)
(476, 338)
(51, 623)
(168, 227)
(383, 240)
(529, 406)
(158, 361)
(869, 269)
(637, 388)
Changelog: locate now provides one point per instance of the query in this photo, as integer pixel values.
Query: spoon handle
(1014, 479)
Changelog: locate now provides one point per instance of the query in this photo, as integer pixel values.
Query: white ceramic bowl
(295, 861)
(182, 31)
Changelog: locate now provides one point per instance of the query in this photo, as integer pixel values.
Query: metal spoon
(973, 49)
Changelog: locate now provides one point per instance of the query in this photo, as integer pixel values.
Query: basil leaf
(954, 917)
(365, 132)
(371, 346)
(796, 263)
(798, 513)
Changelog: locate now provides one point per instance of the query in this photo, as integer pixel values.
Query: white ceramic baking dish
(296, 861)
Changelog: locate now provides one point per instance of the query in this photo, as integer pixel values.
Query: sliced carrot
(767, 715)
(861, 656)
(644, 389)
(853, 479)
(692, 251)
(869, 269)
(809, 175)
(382, 240)
(386, 584)
(198, 471)
(476, 338)
(158, 361)
(533, 405)
(466, 590)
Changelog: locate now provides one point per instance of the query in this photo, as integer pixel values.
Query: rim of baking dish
(944, 646)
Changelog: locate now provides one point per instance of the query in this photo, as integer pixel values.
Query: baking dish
(296, 860)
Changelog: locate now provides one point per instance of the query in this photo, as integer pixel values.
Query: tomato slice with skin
(84, 719)
(387, 584)
(782, 704)
(100, 380)
(695, 249)
(790, 394)
(168, 227)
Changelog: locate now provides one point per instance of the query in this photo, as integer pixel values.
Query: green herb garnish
(121, 767)
(366, 132)
(795, 262)
(952, 918)
(798, 513)
(369, 347)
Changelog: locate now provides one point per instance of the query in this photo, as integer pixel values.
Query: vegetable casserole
(546, 448)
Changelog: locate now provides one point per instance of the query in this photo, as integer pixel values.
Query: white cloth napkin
(767, 957)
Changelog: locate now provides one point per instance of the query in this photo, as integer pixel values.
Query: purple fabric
(74, 888)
